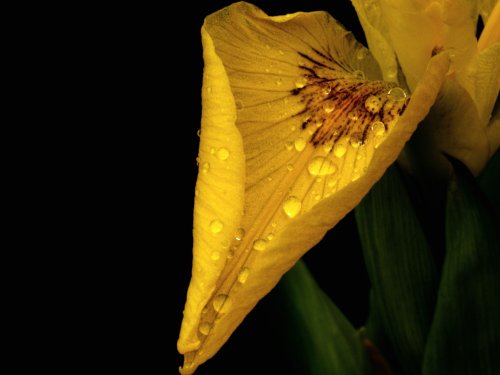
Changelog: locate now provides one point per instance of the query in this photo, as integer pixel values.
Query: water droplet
(274, 224)
(281, 52)
(293, 128)
(216, 226)
(300, 144)
(222, 303)
(355, 176)
(292, 206)
(243, 275)
(300, 83)
(215, 255)
(269, 179)
(209, 90)
(260, 245)
(222, 153)
(196, 192)
(396, 94)
(289, 167)
(356, 140)
(332, 183)
(268, 46)
(270, 237)
(392, 73)
(198, 133)
(205, 328)
(317, 197)
(328, 107)
(239, 104)
(320, 166)
(205, 167)
(373, 104)
(326, 90)
(361, 53)
(359, 74)
(240, 233)
(327, 147)
(377, 127)
(212, 150)
(353, 116)
(289, 145)
(339, 150)
(279, 82)
(319, 124)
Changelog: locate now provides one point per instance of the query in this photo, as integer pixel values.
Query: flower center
(341, 103)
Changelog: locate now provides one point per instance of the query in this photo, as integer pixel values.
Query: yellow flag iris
(297, 125)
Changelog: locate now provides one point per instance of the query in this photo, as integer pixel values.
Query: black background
(336, 262)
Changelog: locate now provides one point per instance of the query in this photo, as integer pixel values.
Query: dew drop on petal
(289, 145)
(222, 153)
(240, 233)
(378, 128)
(320, 166)
(212, 150)
(300, 83)
(216, 226)
(339, 150)
(300, 144)
(373, 104)
(292, 206)
(353, 116)
(215, 256)
(359, 74)
(243, 275)
(205, 167)
(270, 236)
(327, 147)
(328, 107)
(356, 139)
(209, 90)
(260, 245)
(396, 94)
(326, 90)
(361, 53)
(198, 133)
(289, 167)
(205, 328)
(222, 303)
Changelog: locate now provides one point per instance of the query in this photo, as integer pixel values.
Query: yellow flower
(297, 125)
(410, 32)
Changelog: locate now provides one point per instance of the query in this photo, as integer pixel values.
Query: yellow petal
(317, 130)
(371, 16)
(219, 192)
(490, 12)
(392, 26)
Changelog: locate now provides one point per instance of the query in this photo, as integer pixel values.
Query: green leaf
(324, 339)
(402, 271)
(465, 334)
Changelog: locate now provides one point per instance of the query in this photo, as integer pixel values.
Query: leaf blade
(401, 268)
(465, 334)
